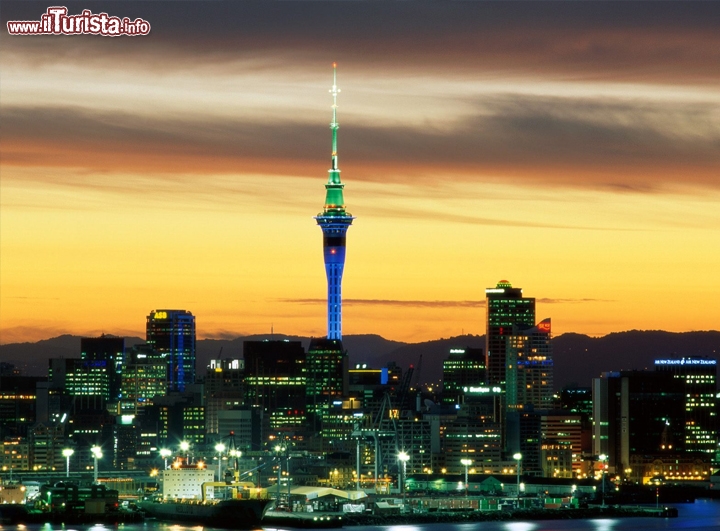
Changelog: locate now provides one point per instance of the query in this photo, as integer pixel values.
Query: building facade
(506, 308)
(171, 333)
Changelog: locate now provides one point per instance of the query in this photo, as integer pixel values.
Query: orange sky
(571, 149)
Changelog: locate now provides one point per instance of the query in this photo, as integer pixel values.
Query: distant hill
(578, 358)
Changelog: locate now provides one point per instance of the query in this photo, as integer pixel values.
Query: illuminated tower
(334, 222)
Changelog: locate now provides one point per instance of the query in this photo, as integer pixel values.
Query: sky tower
(334, 222)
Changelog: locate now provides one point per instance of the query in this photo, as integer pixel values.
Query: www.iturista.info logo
(56, 21)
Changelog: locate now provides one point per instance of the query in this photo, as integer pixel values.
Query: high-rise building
(464, 367)
(275, 382)
(327, 380)
(637, 413)
(698, 376)
(108, 349)
(223, 391)
(334, 222)
(144, 376)
(529, 367)
(171, 333)
(506, 308)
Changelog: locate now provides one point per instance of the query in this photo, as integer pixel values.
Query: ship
(232, 513)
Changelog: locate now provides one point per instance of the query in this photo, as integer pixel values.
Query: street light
(279, 449)
(518, 458)
(403, 457)
(67, 452)
(165, 453)
(97, 454)
(185, 447)
(219, 448)
(466, 463)
(602, 458)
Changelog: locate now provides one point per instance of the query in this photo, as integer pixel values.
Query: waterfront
(701, 515)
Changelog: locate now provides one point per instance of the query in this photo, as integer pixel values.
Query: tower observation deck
(334, 222)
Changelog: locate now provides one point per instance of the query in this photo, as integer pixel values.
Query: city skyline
(568, 148)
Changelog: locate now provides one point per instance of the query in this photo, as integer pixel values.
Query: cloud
(392, 302)
(610, 144)
(676, 41)
(570, 301)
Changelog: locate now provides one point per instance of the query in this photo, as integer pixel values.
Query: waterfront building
(476, 431)
(334, 221)
(46, 444)
(506, 308)
(171, 333)
(698, 376)
(637, 412)
(14, 454)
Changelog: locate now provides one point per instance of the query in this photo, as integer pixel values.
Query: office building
(506, 308)
(698, 376)
(637, 413)
(224, 390)
(143, 377)
(464, 367)
(334, 222)
(171, 333)
(529, 370)
(108, 349)
(275, 382)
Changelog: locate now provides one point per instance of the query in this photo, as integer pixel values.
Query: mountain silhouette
(578, 358)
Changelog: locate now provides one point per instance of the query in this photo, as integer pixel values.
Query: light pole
(602, 458)
(67, 452)
(219, 448)
(165, 453)
(518, 458)
(403, 457)
(466, 463)
(279, 449)
(185, 447)
(97, 454)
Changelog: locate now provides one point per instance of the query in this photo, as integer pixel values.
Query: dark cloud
(675, 41)
(614, 144)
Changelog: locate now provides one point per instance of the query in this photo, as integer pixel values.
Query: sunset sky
(570, 148)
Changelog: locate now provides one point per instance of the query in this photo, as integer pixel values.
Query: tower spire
(334, 201)
(334, 125)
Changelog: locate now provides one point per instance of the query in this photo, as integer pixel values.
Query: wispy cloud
(544, 141)
(393, 302)
(570, 301)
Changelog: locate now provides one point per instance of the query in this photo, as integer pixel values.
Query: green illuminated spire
(334, 202)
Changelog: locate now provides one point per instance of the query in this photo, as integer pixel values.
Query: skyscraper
(334, 222)
(529, 367)
(506, 307)
(171, 333)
